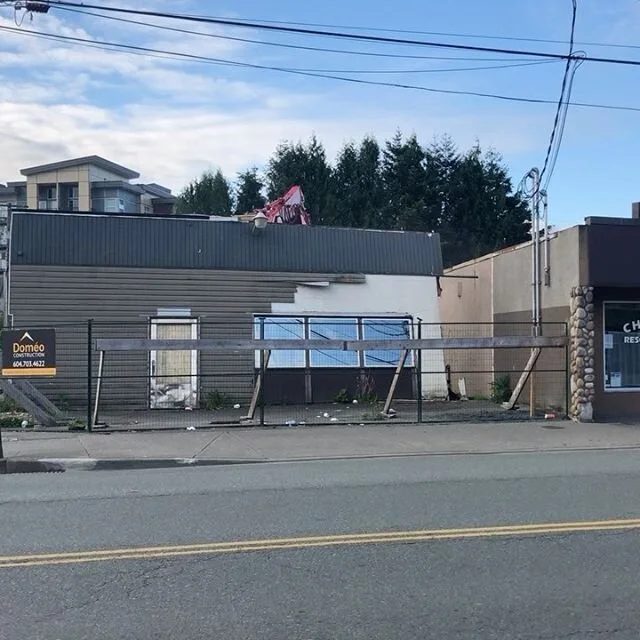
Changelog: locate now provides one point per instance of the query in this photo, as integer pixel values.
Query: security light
(260, 221)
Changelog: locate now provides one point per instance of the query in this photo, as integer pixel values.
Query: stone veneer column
(582, 354)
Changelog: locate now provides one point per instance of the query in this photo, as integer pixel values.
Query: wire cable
(563, 119)
(447, 34)
(360, 81)
(439, 33)
(333, 34)
(564, 97)
(285, 45)
(168, 55)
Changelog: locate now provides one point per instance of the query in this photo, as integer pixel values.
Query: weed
(216, 400)
(63, 403)
(343, 397)
(8, 405)
(366, 390)
(501, 388)
(13, 422)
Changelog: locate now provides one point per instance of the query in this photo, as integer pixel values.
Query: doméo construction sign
(29, 352)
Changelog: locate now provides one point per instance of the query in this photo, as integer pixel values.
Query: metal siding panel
(225, 302)
(87, 240)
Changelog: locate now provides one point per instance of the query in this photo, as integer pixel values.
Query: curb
(60, 465)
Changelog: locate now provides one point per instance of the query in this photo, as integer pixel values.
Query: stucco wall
(467, 297)
(380, 294)
(79, 175)
(512, 274)
(466, 309)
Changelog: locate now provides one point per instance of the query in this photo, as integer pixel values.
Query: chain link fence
(229, 384)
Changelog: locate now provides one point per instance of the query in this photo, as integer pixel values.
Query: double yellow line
(273, 544)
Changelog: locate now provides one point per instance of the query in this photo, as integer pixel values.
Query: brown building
(590, 287)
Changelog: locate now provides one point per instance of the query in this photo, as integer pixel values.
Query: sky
(173, 119)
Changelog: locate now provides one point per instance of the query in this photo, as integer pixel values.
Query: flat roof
(97, 161)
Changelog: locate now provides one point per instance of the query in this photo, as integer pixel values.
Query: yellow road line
(244, 546)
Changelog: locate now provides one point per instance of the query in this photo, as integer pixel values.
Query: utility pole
(535, 196)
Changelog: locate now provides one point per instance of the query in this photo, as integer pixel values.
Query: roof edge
(97, 161)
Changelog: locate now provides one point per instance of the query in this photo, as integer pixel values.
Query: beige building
(589, 288)
(494, 293)
(89, 183)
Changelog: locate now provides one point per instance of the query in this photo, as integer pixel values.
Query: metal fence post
(419, 379)
(262, 373)
(567, 371)
(89, 373)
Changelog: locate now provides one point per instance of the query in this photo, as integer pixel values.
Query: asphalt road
(395, 548)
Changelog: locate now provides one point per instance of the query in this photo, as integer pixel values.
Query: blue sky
(172, 119)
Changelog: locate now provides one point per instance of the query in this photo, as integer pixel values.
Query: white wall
(416, 296)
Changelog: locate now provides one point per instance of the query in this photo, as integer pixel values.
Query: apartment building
(90, 183)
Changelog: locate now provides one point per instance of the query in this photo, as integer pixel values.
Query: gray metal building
(188, 277)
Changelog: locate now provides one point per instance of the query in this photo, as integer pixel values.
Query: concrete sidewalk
(33, 451)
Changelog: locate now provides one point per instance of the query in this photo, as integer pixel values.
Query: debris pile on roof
(288, 209)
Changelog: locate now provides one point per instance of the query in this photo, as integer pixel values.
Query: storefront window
(333, 329)
(379, 329)
(276, 328)
(621, 345)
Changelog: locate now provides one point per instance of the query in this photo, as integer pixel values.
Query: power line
(360, 81)
(563, 120)
(169, 55)
(565, 94)
(284, 45)
(335, 34)
(447, 34)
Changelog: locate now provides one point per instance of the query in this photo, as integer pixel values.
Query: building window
(69, 197)
(113, 205)
(348, 328)
(333, 329)
(621, 346)
(47, 197)
(386, 329)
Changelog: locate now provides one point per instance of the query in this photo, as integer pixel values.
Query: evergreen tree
(306, 166)
(209, 194)
(249, 191)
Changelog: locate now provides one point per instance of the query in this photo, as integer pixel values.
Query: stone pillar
(582, 354)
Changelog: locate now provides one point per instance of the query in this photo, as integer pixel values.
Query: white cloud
(171, 145)
(171, 120)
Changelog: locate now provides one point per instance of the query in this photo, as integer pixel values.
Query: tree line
(466, 196)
